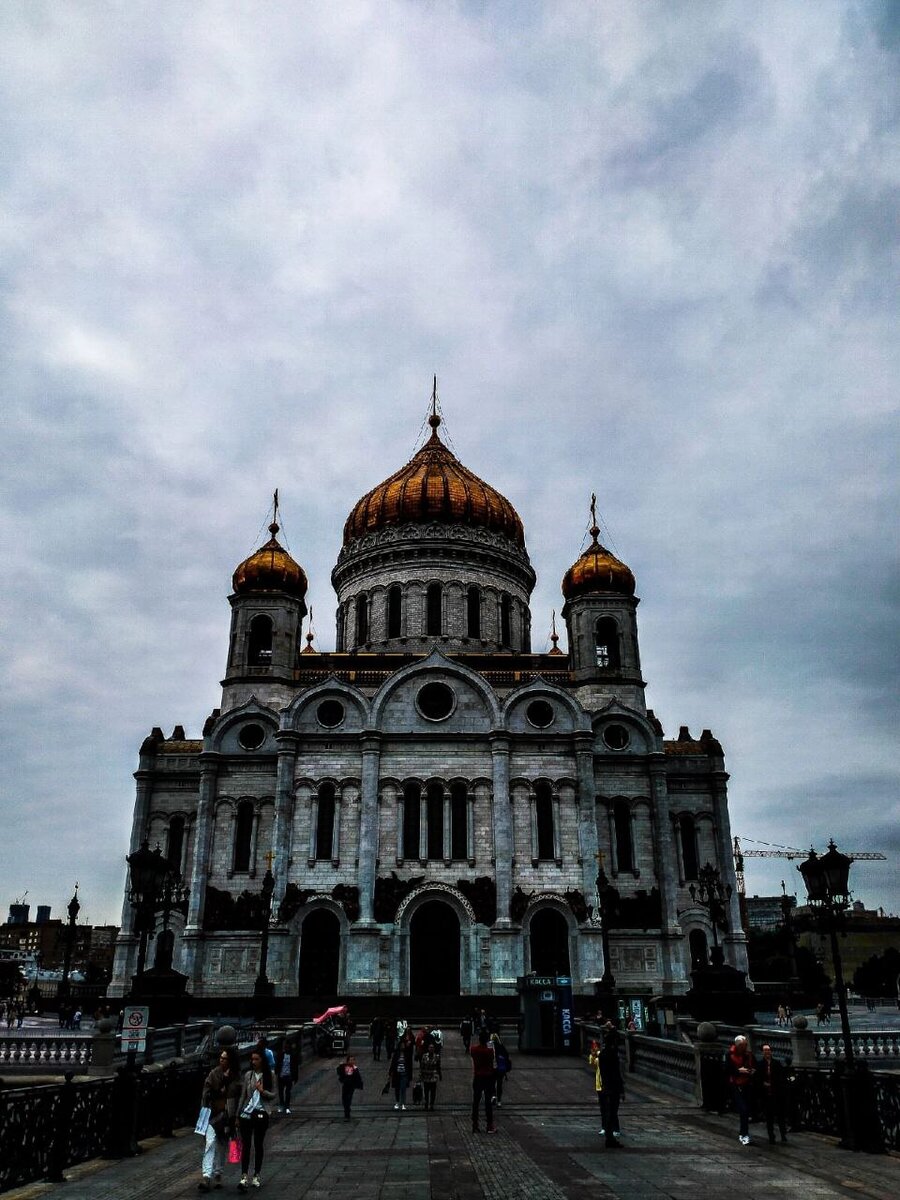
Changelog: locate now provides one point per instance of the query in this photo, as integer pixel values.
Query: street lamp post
(73, 908)
(827, 885)
(607, 908)
(263, 988)
(710, 893)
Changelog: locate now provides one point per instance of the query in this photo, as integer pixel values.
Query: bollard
(122, 1137)
(710, 1069)
(62, 1129)
(166, 1117)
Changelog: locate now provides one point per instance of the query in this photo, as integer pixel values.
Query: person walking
(376, 1036)
(484, 1068)
(221, 1089)
(503, 1067)
(350, 1081)
(287, 1068)
(773, 1084)
(741, 1068)
(594, 1061)
(465, 1031)
(612, 1087)
(255, 1107)
(401, 1069)
(429, 1073)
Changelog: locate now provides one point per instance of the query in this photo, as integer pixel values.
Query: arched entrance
(434, 950)
(320, 953)
(699, 949)
(549, 935)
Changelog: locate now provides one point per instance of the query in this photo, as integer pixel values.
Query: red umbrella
(340, 1011)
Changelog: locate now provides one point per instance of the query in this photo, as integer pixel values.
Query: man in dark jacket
(773, 1084)
(484, 1066)
(612, 1087)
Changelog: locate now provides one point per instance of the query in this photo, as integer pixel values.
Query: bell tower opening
(434, 945)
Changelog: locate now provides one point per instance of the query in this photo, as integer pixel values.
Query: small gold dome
(434, 486)
(597, 571)
(270, 569)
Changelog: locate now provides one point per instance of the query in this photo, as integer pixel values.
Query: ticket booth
(547, 1020)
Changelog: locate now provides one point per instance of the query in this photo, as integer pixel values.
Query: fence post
(710, 1072)
(122, 1141)
(62, 1128)
(803, 1043)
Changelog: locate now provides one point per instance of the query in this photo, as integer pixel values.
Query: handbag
(203, 1121)
(417, 1093)
(235, 1149)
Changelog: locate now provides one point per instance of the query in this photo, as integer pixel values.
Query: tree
(11, 980)
(878, 975)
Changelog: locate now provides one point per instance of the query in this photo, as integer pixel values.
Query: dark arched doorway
(320, 954)
(549, 943)
(434, 950)
(699, 949)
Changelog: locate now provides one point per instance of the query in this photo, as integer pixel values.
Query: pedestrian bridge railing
(51, 1053)
(81, 1053)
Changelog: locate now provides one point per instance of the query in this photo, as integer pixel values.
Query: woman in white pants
(221, 1090)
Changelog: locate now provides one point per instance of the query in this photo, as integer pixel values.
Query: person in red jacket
(741, 1068)
(484, 1066)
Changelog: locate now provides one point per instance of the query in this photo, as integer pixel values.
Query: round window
(435, 701)
(252, 737)
(540, 713)
(616, 737)
(330, 713)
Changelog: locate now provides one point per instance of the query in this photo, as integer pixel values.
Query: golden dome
(270, 569)
(597, 571)
(434, 486)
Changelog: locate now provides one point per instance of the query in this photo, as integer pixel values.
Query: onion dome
(434, 486)
(270, 569)
(597, 570)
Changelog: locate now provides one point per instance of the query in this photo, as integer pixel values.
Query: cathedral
(433, 800)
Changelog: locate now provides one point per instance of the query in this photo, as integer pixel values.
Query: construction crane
(776, 851)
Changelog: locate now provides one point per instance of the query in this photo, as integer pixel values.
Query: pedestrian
(221, 1089)
(502, 1068)
(594, 1061)
(429, 1073)
(484, 1070)
(401, 1069)
(612, 1086)
(437, 1037)
(268, 1054)
(401, 1028)
(773, 1081)
(781, 1018)
(287, 1068)
(741, 1068)
(376, 1034)
(349, 1079)
(255, 1107)
(465, 1031)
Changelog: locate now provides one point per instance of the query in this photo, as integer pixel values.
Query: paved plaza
(547, 1148)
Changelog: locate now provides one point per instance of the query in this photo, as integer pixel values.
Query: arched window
(435, 809)
(606, 641)
(459, 822)
(505, 620)
(243, 836)
(325, 823)
(473, 613)
(175, 844)
(689, 847)
(339, 630)
(543, 810)
(259, 642)
(362, 620)
(699, 949)
(394, 608)
(624, 843)
(433, 623)
(411, 797)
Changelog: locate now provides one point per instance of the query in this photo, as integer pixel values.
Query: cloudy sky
(650, 249)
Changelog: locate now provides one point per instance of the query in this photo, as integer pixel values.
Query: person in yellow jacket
(594, 1061)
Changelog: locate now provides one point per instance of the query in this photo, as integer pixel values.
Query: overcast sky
(650, 250)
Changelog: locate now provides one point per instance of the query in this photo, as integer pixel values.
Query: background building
(434, 798)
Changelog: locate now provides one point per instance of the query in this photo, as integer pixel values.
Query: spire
(310, 635)
(434, 420)
(554, 636)
(274, 527)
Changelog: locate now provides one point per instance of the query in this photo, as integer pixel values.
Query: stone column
(533, 825)
(254, 838)
(368, 824)
(470, 825)
(336, 826)
(423, 824)
(587, 814)
(446, 838)
(313, 827)
(502, 825)
(400, 839)
(557, 840)
(735, 938)
(203, 836)
(288, 744)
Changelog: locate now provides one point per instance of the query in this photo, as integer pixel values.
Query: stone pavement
(547, 1148)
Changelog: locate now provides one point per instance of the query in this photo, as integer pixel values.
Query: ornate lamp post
(154, 888)
(827, 885)
(73, 908)
(262, 987)
(710, 893)
(607, 908)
